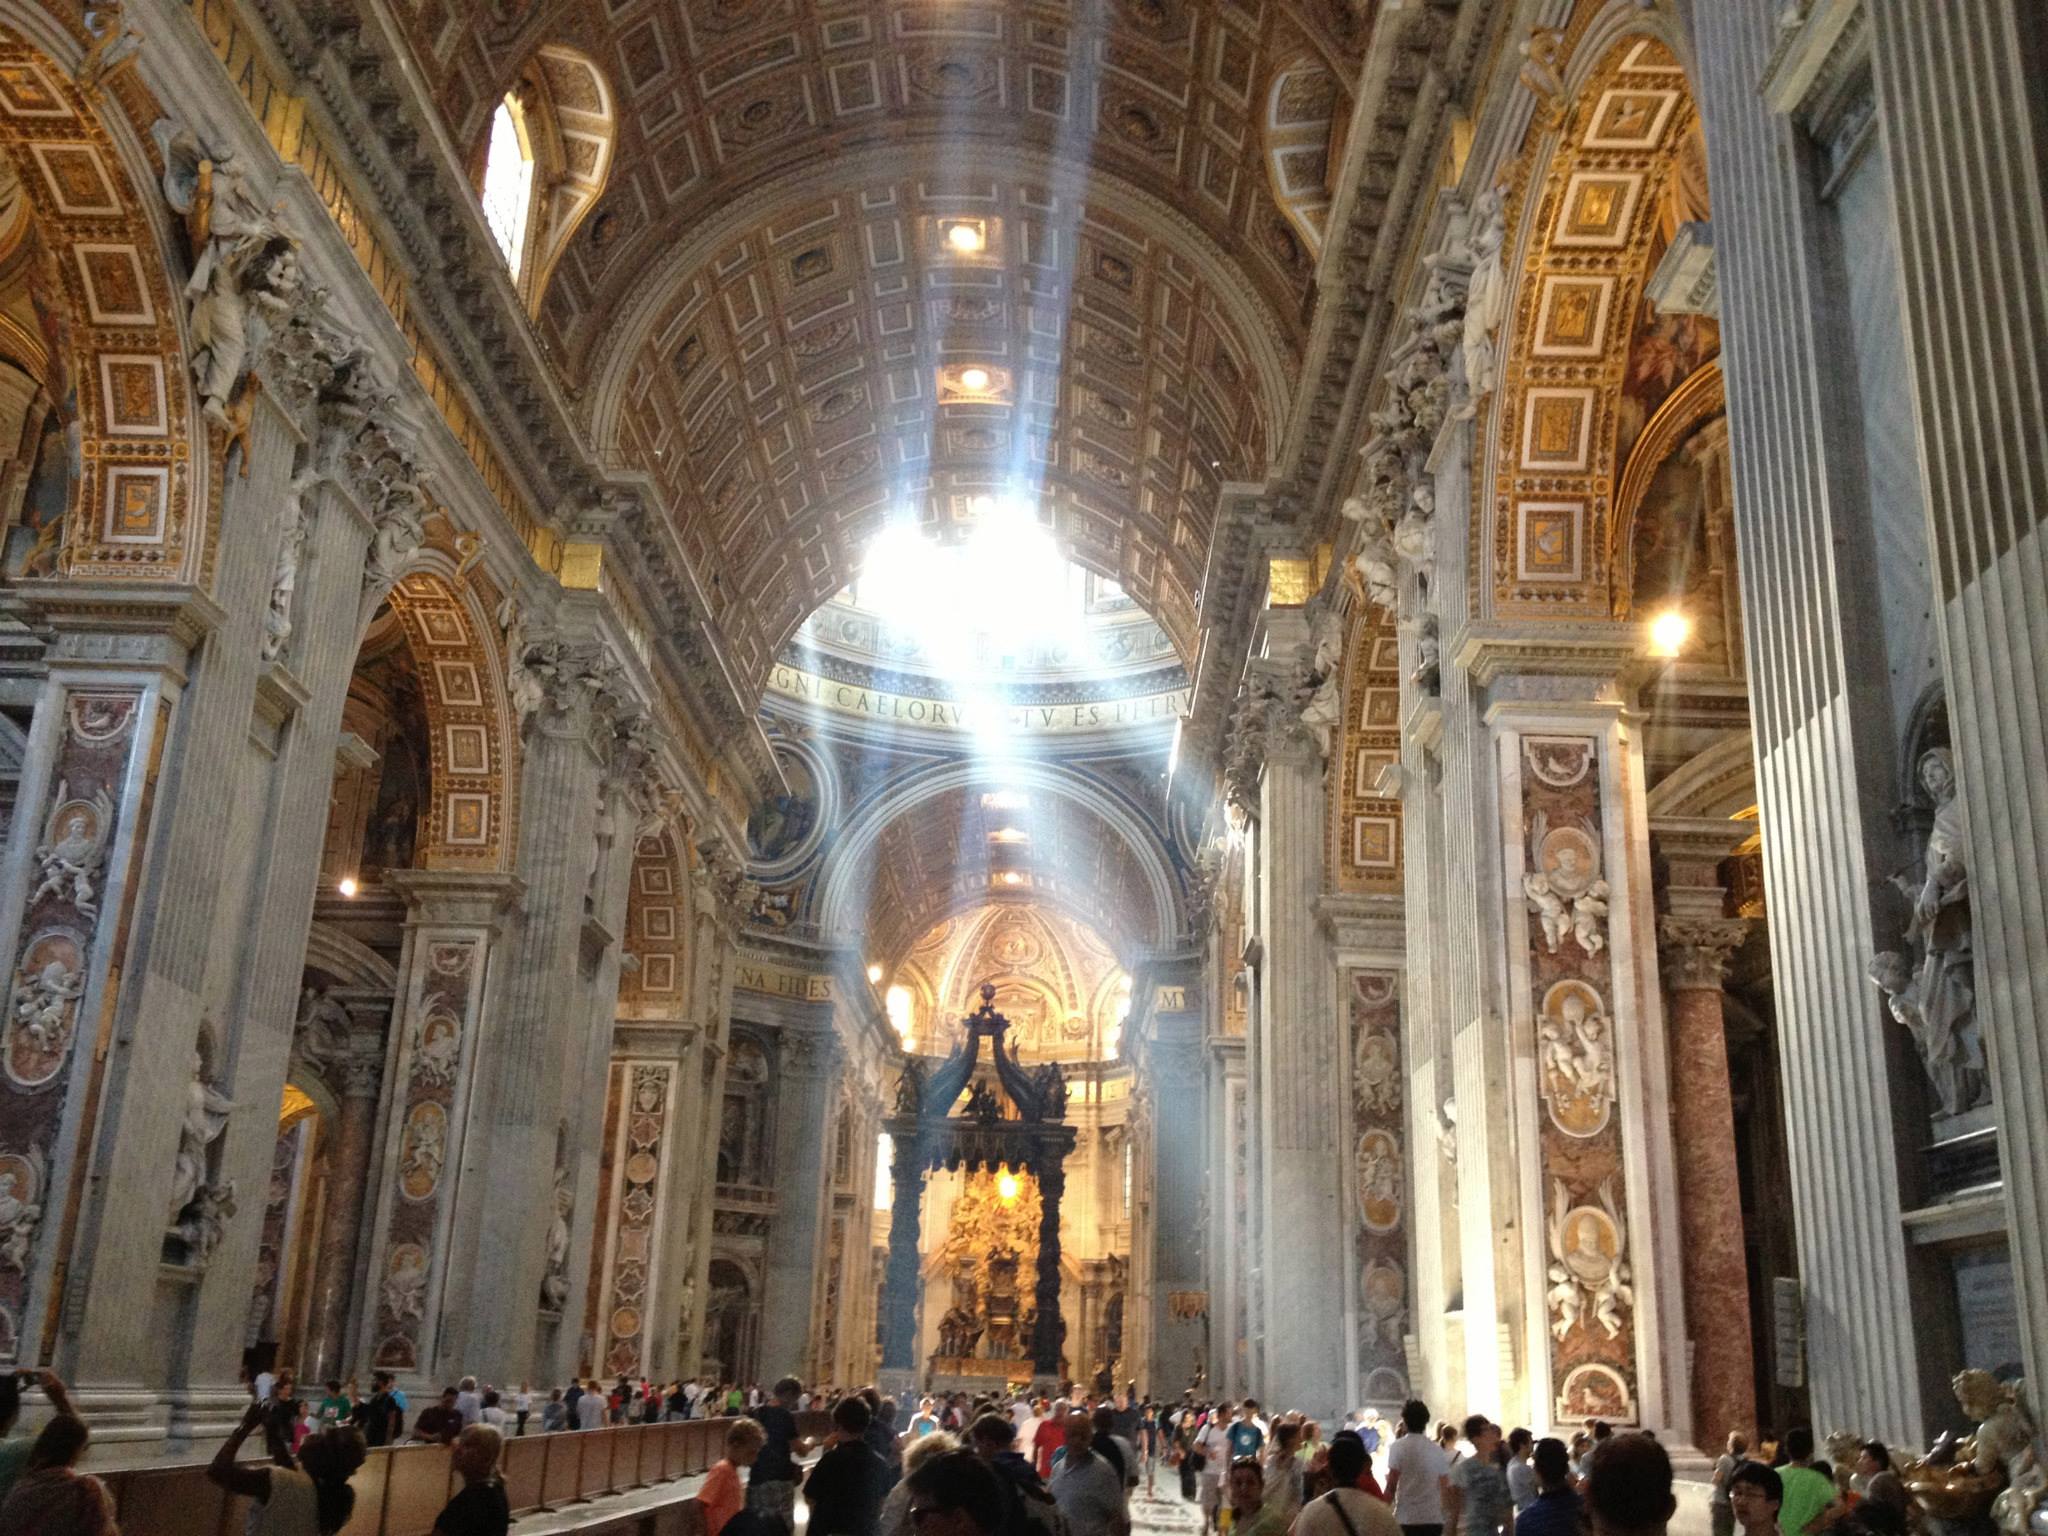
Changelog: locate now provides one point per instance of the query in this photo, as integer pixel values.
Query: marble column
(807, 1089)
(519, 1170)
(1696, 951)
(341, 1226)
(113, 703)
(1300, 1195)
(1696, 941)
(1958, 89)
(1801, 395)
(1177, 1160)
(421, 1167)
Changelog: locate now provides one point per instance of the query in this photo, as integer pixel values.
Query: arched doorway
(732, 1324)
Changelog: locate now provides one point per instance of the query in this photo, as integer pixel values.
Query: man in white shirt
(469, 1402)
(1026, 1443)
(1347, 1509)
(1214, 1444)
(693, 1392)
(1416, 1466)
(590, 1407)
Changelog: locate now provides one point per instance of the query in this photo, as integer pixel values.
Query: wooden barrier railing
(400, 1489)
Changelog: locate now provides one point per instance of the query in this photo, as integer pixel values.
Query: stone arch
(1587, 201)
(348, 960)
(471, 753)
(1696, 401)
(839, 898)
(142, 478)
(657, 925)
(1306, 109)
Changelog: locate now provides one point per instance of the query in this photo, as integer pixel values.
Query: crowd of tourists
(1004, 1465)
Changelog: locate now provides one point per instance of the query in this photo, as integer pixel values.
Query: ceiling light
(1004, 800)
(982, 506)
(347, 886)
(965, 238)
(975, 379)
(1008, 1187)
(1669, 632)
(875, 974)
(1011, 877)
(1010, 835)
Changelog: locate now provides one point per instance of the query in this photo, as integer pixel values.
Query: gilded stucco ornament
(1994, 1471)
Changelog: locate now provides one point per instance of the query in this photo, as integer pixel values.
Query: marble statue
(1934, 994)
(554, 1285)
(1542, 73)
(405, 1284)
(245, 272)
(284, 578)
(1427, 673)
(1323, 709)
(22, 1177)
(1374, 560)
(522, 684)
(320, 1034)
(205, 1117)
(204, 1222)
(401, 531)
(1994, 1471)
(73, 848)
(910, 1088)
(115, 47)
(1563, 885)
(1486, 296)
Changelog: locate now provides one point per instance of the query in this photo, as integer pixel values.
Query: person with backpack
(1029, 1507)
(1346, 1510)
(380, 1416)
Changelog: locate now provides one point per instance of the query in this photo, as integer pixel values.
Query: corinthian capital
(1696, 950)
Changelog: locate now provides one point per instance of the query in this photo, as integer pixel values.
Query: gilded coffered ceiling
(767, 315)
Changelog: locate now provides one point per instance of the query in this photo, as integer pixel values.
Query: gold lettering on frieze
(1171, 1000)
(777, 982)
(949, 714)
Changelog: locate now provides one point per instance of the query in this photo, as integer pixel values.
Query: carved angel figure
(427, 1150)
(284, 576)
(42, 1009)
(521, 683)
(205, 1221)
(1323, 709)
(405, 1285)
(245, 272)
(21, 1211)
(1485, 297)
(205, 1117)
(401, 530)
(1563, 885)
(74, 846)
(1374, 560)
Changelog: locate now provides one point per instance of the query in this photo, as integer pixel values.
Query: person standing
(469, 1402)
(481, 1508)
(846, 1488)
(1719, 1506)
(771, 1489)
(440, 1422)
(522, 1407)
(312, 1499)
(722, 1497)
(591, 1408)
(1522, 1484)
(52, 1497)
(1808, 1494)
(1628, 1488)
(1347, 1510)
(1557, 1510)
(1415, 1474)
(1476, 1498)
(1088, 1490)
(15, 1449)
(1246, 1437)
(1755, 1494)
(379, 1416)
(1212, 1443)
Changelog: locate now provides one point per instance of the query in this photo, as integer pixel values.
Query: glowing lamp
(1007, 1187)
(965, 238)
(1669, 632)
(1011, 877)
(975, 379)
(347, 886)
(875, 974)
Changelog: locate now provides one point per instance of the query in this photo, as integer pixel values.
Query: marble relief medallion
(1379, 1181)
(1595, 1392)
(1575, 1054)
(424, 1151)
(42, 1010)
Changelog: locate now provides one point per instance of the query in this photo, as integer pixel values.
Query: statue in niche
(320, 1034)
(554, 1285)
(1427, 674)
(1934, 993)
(199, 1207)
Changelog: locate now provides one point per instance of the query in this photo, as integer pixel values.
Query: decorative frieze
(1378, 1130)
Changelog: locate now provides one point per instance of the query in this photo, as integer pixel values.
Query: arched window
(508, 181)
